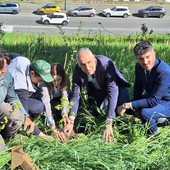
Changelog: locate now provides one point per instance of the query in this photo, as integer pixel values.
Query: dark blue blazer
(155, 87)
(109, 79)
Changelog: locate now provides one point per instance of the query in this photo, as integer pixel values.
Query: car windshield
(77, 8)
(148, 8)
(49, 15)
(45, 6)
(113, 8)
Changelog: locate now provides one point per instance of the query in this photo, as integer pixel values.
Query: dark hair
(142, 47)
(3, 55)
(35, 73)
(57, 69)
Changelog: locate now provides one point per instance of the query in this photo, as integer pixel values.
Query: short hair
(35, 73)
(83, 49)
(142, 47)
(3, 55)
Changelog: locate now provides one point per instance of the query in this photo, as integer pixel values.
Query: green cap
(43, 68)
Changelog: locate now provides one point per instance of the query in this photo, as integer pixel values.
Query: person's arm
(45, 97)
(160, 89)
(23, 97)
(13, 99)
(112, 93)
(137, 90)
(75, 96)
(112, 90)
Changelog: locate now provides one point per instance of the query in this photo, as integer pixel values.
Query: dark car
(152, 11)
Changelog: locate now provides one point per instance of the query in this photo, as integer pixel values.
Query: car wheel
(14, 12)
(145, 15)
(75, 15)
(92, 15)
(46, 22)
(64, 23)
(125, 15)
(108, 15)
(161, 15)
(41, 13)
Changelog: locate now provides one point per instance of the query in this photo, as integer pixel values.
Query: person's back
(26, 76)
(19, 69)
(10, 123)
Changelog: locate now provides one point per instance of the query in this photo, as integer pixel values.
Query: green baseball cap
(43, 68)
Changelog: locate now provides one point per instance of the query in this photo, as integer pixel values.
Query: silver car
(82, 11)
(9, 7)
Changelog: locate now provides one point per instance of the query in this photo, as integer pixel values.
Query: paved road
(28, 22)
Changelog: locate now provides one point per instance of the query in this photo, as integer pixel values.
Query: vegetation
(133, 149)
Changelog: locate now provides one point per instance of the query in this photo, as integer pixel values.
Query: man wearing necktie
(101, 79)
(151, 88)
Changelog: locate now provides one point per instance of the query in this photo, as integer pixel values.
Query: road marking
(6, 28)
(11, 27)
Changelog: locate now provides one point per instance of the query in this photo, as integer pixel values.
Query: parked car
(9, 7)
(47, 9)
(152, 11)
(55, 18)
(122, 11)
(82, 11)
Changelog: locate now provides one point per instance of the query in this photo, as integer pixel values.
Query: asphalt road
(27, 21)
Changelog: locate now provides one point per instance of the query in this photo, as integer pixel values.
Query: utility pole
(65, 3)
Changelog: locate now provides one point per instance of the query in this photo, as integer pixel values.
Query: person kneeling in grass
(26, 78)
(101, 79)
(56, 93)
(151, 88)
(12, 114)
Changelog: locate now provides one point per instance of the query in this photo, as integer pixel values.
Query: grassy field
(133, 149)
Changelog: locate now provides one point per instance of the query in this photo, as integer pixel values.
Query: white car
(55, 18)
(117, 11)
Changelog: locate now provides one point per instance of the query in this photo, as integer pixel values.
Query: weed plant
(133, 149)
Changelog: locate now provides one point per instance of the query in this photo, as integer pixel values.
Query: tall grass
(133, 149)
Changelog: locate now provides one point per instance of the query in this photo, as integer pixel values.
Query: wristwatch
(124, 105)
(109, 121)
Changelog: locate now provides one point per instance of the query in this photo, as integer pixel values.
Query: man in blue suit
(100, 78)
(151, 88)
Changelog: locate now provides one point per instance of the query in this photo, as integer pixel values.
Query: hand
(120, 110)
(108, 133)
(28, 125)
(45, 137)
(60, 134)
(68, 128)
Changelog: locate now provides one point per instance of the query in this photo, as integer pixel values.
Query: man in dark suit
(151, 88)
(100, 78)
